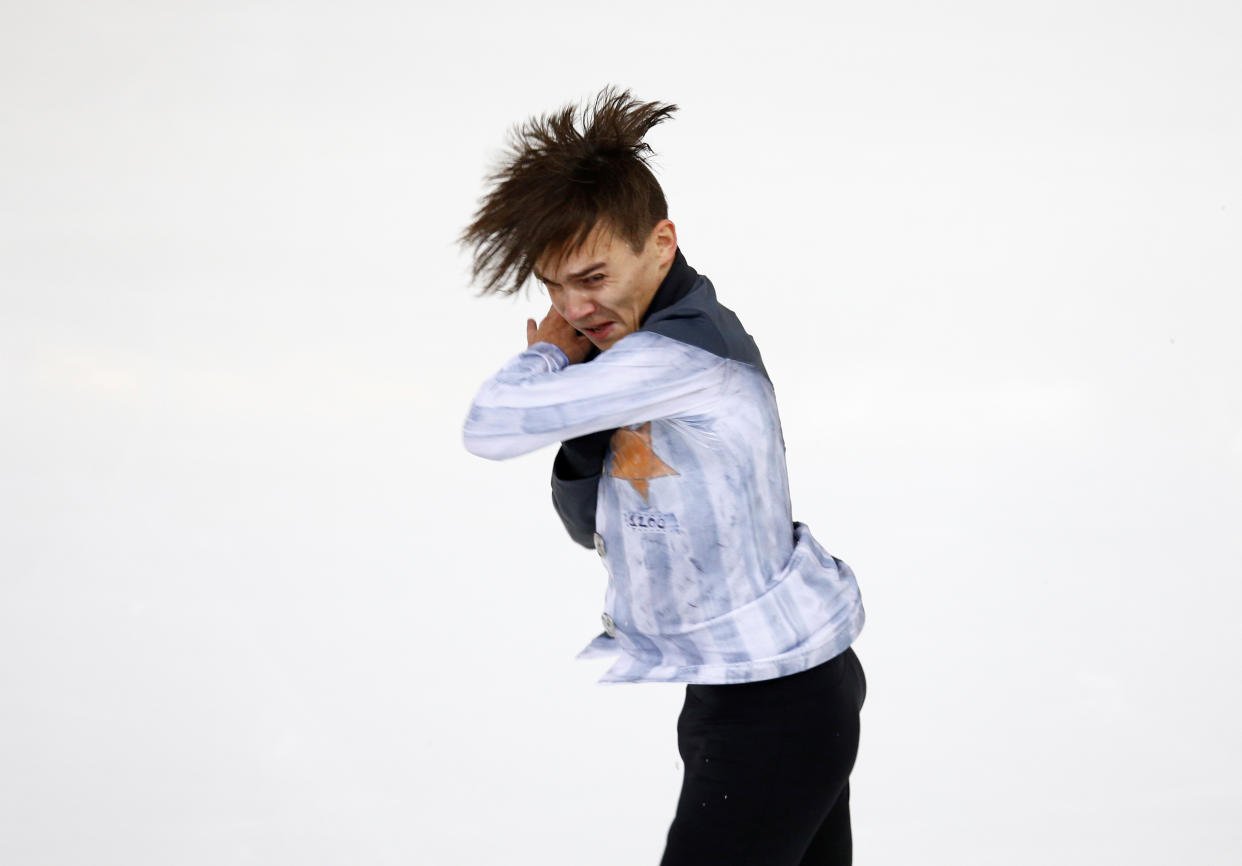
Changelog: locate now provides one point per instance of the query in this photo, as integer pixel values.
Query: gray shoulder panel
(700, 320)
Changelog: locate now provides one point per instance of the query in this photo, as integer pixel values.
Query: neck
(679, 278)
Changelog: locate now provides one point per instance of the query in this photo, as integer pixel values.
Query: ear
(664, 236)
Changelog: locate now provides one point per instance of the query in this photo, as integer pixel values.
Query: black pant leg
(766, 766)
(833, 843)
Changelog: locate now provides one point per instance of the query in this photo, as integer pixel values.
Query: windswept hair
(564, 173)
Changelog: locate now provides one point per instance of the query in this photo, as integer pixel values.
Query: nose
(578, 306)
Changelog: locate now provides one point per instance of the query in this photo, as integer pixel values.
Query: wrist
(556, 357)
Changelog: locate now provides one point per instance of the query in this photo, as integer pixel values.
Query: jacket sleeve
(575, 483)
(539, 398)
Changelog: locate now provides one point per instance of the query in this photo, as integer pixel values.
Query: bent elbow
(489, 447)
(484, 437)
(498, 433)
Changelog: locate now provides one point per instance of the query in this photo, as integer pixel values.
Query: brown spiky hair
(562, 174)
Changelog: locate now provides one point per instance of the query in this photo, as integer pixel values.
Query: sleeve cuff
(553, 354)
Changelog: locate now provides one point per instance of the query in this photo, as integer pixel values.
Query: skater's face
(604, 287)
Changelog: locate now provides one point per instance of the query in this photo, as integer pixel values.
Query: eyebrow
(574, 276)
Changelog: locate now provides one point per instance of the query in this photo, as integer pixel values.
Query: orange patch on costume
(634, 461)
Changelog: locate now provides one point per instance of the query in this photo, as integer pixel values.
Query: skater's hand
(555, 330)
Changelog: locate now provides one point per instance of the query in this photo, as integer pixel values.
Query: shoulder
(650, 348)
(700, 320)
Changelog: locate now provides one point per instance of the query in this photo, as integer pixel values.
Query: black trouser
(767, 768)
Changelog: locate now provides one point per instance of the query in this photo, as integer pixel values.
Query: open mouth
(599, 331)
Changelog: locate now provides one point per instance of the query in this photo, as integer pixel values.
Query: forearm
(538, 399)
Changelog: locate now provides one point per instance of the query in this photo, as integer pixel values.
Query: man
(672, 465)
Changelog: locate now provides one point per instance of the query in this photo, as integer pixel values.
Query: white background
(258, 605)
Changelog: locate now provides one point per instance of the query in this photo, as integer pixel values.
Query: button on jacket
(673, 465)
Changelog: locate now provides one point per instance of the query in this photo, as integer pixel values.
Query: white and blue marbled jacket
(675, 471)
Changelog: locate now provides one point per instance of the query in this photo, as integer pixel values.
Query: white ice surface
(257, 604)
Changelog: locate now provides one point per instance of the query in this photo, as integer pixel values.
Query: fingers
(531, 330)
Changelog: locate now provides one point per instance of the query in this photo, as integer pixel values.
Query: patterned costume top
(684, 494)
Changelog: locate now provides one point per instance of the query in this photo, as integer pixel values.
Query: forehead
(600, 245)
